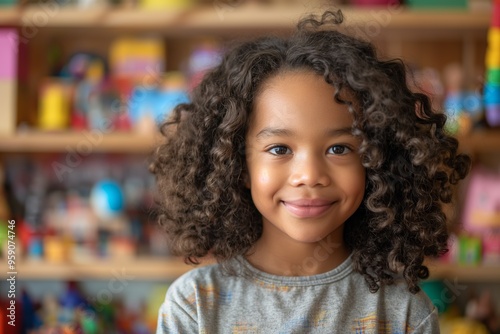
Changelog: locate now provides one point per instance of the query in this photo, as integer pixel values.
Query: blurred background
(83, 86)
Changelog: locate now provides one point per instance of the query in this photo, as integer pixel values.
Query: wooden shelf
(134, 269)
(86, 142)
(171, 268)
(248, 17)
(481, 142)
(9, 16)
(123, 142)
(463, 273)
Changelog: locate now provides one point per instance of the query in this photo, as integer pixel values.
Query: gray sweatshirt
(207, 300)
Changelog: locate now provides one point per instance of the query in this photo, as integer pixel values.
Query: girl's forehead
(283, 78)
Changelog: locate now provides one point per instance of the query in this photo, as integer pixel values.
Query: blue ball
(107, 199)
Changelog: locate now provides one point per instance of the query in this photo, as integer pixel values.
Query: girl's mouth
(307, 208)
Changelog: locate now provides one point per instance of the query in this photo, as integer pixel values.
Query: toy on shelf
(149, 106)
(469, 250)
(107, 199)
(492, 85)
(141, 60)
(54, 109)
(481, 215)
(206, 56)
(482, 209)
(463, 108)
(138, 70)
(95, 98)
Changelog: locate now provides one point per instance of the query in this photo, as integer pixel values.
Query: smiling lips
(307, 208)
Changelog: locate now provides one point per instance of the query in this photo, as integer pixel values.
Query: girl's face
(304, 172)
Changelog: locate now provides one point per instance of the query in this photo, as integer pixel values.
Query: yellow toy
(54, 107)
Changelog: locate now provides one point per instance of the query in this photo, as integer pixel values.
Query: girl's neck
(297, 259)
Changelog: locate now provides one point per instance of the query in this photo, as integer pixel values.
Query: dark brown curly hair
(411, 163)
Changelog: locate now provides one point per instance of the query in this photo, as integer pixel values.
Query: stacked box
(8, 79)
(492, 84)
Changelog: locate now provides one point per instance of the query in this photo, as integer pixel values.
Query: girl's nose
(310, 171)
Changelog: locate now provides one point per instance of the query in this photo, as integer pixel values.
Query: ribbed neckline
(336, 274)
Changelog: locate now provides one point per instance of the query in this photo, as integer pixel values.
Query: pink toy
(482, 206)
(8, 56)
(491, 248)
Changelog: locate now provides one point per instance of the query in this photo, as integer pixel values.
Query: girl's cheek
(264, 176)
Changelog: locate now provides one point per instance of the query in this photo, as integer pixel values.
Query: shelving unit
(465, 273)
(467, 30)
(100, 269)
(124, 142)
(92, 141)
(148, 268)
(247, 16)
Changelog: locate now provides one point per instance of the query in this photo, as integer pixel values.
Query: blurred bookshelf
(125, 142)
(247, 16)
(141, 268)
(486, 273)
(425, 38)
(154, 268)
(111, 142)
(404, 32)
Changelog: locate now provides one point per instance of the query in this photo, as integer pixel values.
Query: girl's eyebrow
(282, 132)
(274, 132)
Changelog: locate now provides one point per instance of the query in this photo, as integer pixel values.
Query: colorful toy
(463, 108)
(107, 199)
(491, 248)
(139, 59)
(54, 110)
(203, 58)
(157, 102)
(482, 206)
(481, 215)
(469, 250)
(492, 84)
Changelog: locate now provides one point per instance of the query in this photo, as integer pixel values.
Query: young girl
(315, 177)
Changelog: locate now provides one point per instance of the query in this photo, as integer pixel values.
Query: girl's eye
(279, 150)
(339, 150)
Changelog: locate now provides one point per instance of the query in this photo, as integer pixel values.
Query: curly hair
(411, 163)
